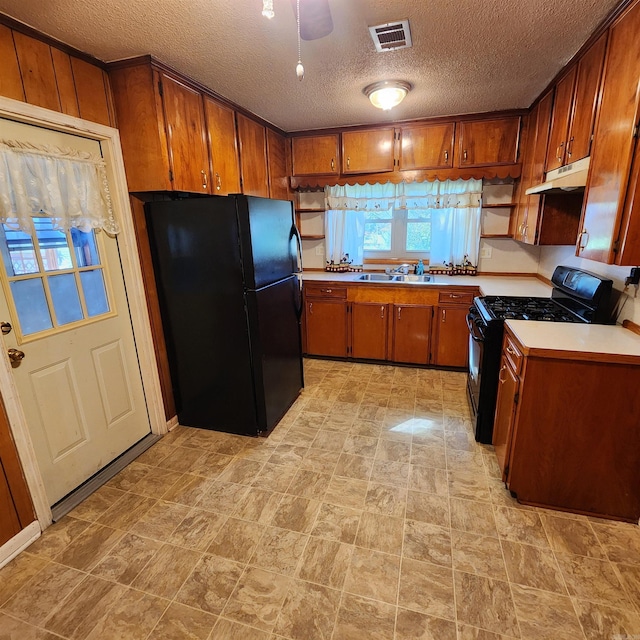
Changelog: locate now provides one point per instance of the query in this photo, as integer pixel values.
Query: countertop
(597, 342)
(489, 285)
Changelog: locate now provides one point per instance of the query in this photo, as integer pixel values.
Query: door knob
(16, 356)
(5, 327)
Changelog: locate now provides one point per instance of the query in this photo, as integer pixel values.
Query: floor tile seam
(635, 602)
(29, 624)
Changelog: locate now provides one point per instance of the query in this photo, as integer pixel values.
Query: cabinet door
(560, 121)
(411, 333)
(585, 101)
(368, 151)
(315, 155)
(369, 330)
(427, 147)
(253, 157)
(452, 335)
(613, 143)
(522, 199)
(508, 384)
(278, 172)
(221, 130)
(488, 142)
(326, 326)
(184, 120)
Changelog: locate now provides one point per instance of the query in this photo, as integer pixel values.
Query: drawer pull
(326, 290)
(511, 351)
(500, 378)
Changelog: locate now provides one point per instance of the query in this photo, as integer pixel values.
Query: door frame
(136, 297)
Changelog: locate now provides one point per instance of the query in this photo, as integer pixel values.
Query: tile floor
(370, 513)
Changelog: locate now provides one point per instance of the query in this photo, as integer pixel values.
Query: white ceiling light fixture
(387, 94)
(267, 9)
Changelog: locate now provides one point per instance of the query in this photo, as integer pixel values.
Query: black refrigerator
(226, 272)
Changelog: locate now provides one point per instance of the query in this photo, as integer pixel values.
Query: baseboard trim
(173, 423)
(72, 500)
(10, 549)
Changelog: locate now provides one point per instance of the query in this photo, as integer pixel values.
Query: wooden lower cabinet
(566, 431)
(451, 342)
(9, 523)
(411, 333)
(326, 327)
(369, 329)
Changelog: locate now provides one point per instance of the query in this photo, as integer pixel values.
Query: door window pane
(31, 305)
(95, 294)
(54, 247)
(18, 252)
(66, 302)
(84, 244)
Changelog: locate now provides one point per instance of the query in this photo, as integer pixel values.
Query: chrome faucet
(403, 268)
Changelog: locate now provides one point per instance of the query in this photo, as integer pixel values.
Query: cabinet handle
(510, 351)
(326, 290)
(444, 315)
(559, 151)
(569, 146)
(446, 156)
(500, 378)
(524, 232)
(455, 296)
(583, 234)
(333, 164)
(204, 179)
(464, 155)
(348, 162)
(311, 308)
(382, 311)
(218, 182)
(399, 312)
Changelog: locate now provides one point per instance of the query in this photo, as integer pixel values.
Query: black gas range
(577, 296)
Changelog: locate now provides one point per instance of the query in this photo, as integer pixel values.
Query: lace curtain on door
(455, 207)
(67, 185)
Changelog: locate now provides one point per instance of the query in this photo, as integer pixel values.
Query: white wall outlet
(485, 252)
(319, 251)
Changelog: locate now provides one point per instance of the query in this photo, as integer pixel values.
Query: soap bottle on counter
(419, 270)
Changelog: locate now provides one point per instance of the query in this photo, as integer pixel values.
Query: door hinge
(516, 398)
(506, 471)
(160, 89)
(170, 175)
(635, 131)
(616, 246)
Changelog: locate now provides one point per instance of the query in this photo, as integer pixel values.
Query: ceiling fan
(315, 19)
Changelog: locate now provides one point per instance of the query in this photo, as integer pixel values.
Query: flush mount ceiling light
(387, 94)
(267, 9)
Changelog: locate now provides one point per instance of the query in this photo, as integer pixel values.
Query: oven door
(477, 328)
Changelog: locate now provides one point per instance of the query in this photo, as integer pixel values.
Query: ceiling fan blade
(315, 19)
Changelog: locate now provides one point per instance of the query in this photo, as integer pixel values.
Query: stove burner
(524, 308)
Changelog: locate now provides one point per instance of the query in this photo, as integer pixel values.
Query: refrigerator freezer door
(276, 348)
(268, 241)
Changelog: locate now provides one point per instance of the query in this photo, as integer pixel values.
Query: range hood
(568, 178)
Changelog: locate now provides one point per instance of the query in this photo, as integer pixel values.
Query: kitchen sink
(376, 277)
(413, 278)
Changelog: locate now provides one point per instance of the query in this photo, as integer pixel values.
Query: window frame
(398, 251)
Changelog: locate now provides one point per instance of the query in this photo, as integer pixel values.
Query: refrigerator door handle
(296, 233)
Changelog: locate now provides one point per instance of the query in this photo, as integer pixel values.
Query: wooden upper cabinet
(278, 166)
(488, 142)
(223, 147)
(10, 78)
(371, 151)
(38, 75)
(253, 157)
(428, 146)
(92, 89)
(315, 155)
(575, 108)
(606, 218)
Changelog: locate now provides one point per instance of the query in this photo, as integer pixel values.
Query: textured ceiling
(468, 55)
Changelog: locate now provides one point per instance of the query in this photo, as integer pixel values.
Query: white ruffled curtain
(455, 207)
(67, 185)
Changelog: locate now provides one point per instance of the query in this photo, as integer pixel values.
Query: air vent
(391, 36)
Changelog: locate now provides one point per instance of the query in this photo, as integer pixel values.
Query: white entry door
(79, 381)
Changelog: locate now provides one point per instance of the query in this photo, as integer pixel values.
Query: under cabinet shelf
(310, 210)
(496, 235)
(312, 237)
(500, 205)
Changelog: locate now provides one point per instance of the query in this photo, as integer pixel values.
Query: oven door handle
(472, 329)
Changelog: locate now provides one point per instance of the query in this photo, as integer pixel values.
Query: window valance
(459, 194)
(67, 185)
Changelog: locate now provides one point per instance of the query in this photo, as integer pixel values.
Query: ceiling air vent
(391, 36)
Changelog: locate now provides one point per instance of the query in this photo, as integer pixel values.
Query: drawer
(456, 297)
(512, 354)
(325, 291)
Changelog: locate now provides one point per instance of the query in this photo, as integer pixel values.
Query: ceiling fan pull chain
(299, 67)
